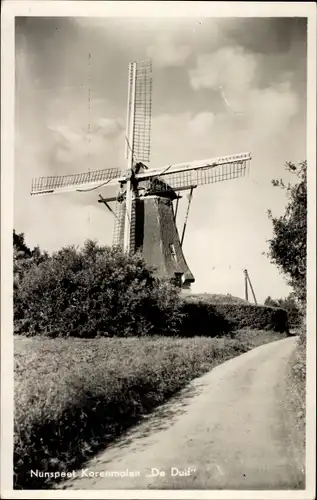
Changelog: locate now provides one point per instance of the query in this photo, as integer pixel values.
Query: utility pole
(247, 282)
(246, 285)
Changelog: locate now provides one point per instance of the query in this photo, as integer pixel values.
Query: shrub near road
(72, 396)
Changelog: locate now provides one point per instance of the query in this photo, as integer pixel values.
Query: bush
(95, 291)
(212, 319)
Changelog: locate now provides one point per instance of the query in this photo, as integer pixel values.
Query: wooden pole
(186, 216)
(246, 285)
(176, 208)
(254, 298)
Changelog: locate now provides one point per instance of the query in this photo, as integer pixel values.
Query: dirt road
(231, 429)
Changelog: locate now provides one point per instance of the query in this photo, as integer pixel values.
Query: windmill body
(153, 231)
(147, 199)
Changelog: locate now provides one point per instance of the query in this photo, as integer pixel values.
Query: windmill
(145, 216)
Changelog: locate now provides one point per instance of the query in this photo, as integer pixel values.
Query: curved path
(230, 429)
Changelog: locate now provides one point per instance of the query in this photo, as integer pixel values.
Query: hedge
(205, 318)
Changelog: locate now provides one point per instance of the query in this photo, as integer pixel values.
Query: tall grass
(73, 396)
(298, 374)
(296, 398)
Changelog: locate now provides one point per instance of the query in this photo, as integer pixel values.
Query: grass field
(73, 396)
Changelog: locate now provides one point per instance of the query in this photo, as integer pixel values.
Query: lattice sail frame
(187, 175)
(193, 178)
(142, 112)
(178, 177)
(140, 107)
(73, 182)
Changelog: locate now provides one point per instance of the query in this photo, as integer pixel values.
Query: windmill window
(173, 253)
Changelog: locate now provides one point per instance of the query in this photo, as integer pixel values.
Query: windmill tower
(145, 215)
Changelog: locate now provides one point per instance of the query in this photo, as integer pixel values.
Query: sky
(260, 65)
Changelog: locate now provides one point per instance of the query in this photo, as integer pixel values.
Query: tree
(287, 248)
(23, 260)
(21, 252)
(289, 304)
(270, 302)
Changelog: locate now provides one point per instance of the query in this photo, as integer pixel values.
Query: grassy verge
(297, 400)
(73, 396)
(298, 373)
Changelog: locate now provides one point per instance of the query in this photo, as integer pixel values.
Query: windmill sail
(137, 139)
(139, 111)
(187, 175)
(192, 178)
(179, 177)
(118, 224)
(142, 111)
(73, 182)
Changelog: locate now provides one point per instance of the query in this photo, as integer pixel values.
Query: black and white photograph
(158, 249)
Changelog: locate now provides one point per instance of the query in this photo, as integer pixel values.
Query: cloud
(230, 66)
(70, 147)
(270, 110)
(201, 123)
(107, 127)
(266, 110)
(165, 53)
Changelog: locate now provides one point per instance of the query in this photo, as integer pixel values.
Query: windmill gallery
(147, 200)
